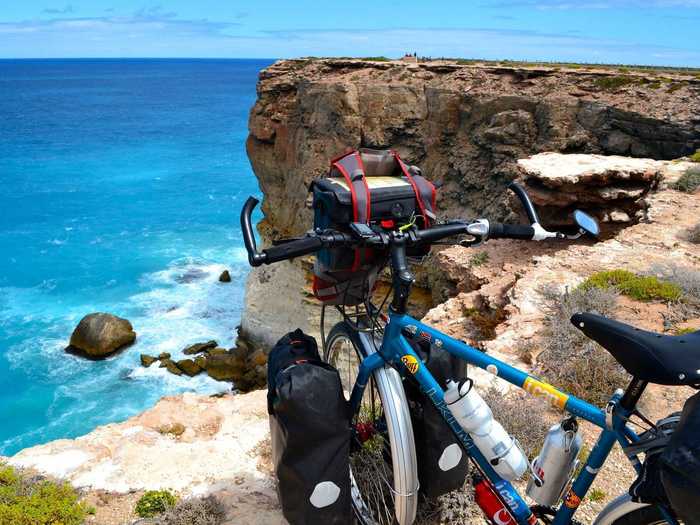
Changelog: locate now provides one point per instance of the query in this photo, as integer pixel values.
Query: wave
(172, 308)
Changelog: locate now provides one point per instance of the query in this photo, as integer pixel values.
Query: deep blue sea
(121, 183)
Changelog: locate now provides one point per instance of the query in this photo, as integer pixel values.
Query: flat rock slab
(223, 450)
(558, 169)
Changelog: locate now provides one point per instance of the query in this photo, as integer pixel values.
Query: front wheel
(651, 515)
(383, 465)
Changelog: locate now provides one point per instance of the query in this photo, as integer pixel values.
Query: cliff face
(464, 125)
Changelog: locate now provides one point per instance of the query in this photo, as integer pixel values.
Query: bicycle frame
(396, 351)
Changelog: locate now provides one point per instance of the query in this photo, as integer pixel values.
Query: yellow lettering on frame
(539, 389)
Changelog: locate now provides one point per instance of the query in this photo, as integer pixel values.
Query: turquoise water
(121, 184)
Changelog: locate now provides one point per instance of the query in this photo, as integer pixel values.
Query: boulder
(225, 277)
(201, 362)
(198, 348)
(164, 355)
(189, 367)
(218, 351)
(170, 366)
(99, 334)
(225, 367)
(147, 360)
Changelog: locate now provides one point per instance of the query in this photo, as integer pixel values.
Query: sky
(658, 32)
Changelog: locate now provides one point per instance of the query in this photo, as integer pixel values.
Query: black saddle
(657, 358)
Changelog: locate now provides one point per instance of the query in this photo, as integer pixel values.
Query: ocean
(121, 187)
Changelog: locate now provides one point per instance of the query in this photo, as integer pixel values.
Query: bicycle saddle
(657, 358)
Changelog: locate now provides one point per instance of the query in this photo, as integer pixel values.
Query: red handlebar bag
(373, 187)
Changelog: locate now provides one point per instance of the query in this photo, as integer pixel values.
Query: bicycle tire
(399, 432)
(650, 515)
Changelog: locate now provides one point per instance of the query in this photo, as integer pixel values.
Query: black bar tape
(510, 231)
(292, 249)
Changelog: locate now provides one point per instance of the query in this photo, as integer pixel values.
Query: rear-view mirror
(586, 223)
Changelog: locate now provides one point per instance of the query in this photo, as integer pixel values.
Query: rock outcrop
(611, 187)
(464, 125)
(99, 335)
(190, 444)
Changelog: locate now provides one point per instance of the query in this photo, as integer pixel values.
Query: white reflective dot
(450, 457)
(324, 494)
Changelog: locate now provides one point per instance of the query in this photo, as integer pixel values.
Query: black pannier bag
(369, 187)
(680, 464)
(310, 431)
(443, 466)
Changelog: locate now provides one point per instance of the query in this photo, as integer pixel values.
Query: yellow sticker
(539, 389)
(411, 363)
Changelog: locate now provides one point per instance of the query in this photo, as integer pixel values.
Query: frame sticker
(539, 389)
(572, 500)
(411, 363)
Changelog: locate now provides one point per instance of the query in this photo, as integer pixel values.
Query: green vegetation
(639, 287)
(684, 331)
(479, 259)
(596, 495)
(695, 157)
(675, 87)
(26, 500)
(614, 83)
(376, 59)
(155, 502)
(689, 181)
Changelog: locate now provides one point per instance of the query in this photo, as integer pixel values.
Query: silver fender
(616, 509)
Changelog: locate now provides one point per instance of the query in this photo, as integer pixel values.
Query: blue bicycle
(373, 354)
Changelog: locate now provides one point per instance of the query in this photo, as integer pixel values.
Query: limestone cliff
(464, 125)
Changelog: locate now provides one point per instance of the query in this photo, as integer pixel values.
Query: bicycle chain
(543, 514)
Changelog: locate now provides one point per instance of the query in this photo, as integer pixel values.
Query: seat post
(633, 393)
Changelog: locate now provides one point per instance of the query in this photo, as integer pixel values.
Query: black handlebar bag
(680, 471)
(310, 432)
(443, 465)
(371, 188)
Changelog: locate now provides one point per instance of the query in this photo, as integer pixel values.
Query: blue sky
(616, 31)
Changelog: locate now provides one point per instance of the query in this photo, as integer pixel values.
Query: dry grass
(569, 359)
(194, 511)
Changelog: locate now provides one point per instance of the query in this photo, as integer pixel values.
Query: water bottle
(475, 416)
(554, 467)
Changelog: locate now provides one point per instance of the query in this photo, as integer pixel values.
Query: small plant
(640, 287)
(596, 495)
(684, 331)
(26, 500)
(570, 360)
(695, 157)
(479, 259)
(694, 234)
(614, 83)
(376, 59)
(522, 416)
(154, 502)
(194, 511)
(689, 181)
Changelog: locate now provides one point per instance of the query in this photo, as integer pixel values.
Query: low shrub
(521, 415)
(154, 502)
(614, 83)
(689, 181)
(694, 234)
(597, 495)
(640, 287)
(193, 511)
(376, 59)
(34, 500)
(571, 361)
(695, 157)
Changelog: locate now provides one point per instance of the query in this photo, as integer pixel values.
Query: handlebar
(312, 242)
